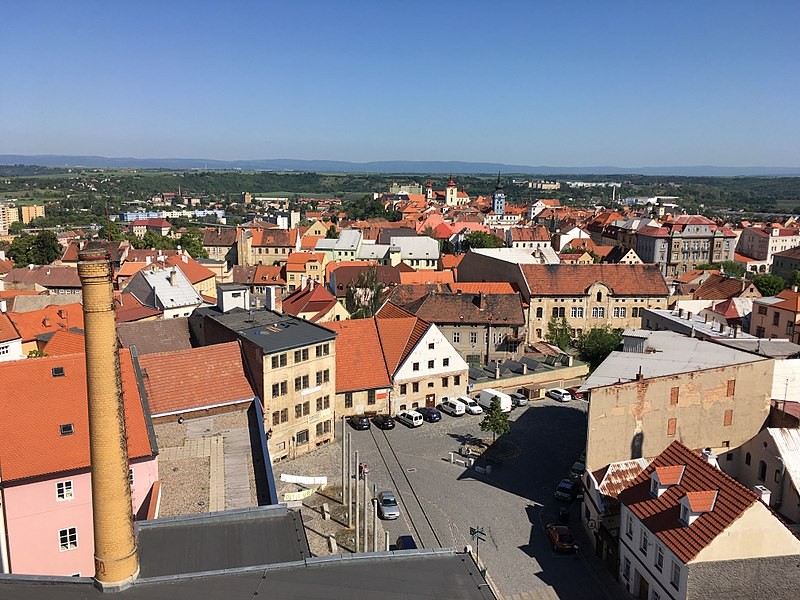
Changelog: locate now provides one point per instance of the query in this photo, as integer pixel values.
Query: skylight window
(66, 429)
(57, 371)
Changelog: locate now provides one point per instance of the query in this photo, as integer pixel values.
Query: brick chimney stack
(115, 555)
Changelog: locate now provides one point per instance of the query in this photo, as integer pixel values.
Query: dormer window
(663, 477)
(695, 504)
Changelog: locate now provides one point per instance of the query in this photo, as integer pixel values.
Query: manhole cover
(411, 470)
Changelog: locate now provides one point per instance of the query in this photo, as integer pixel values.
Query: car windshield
(389, 502)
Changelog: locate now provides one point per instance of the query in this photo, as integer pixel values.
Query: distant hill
(395, 166)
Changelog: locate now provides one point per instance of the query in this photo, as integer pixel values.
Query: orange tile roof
(130, 268)
(451, 261)
(194, 379)
(719, 287)
(313, 299)
(65, 342)
(661, 515)
(670, 475)
(575, 280)
(487, 287)
(360, 363)
(34, 404)
(414, 277)
(702, 501)
(399, 334)
(129, 308)
(296, 261)
(194, 271)
(791, 301)
(7, 330)
(309, 242)
(47, 320)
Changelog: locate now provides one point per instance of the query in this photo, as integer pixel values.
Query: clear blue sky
(577, 83)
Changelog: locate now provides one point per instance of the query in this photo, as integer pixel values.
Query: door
(430, 400)
(644, 589)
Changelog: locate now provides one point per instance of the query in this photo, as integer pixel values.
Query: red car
(561, 538)
(576, 394)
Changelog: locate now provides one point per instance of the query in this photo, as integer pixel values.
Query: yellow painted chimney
(115, 555)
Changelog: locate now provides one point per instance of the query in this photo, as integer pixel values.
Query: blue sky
(577, 83)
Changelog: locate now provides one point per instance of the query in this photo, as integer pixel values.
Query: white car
(470, 405)
(410, 418)
(559, 394)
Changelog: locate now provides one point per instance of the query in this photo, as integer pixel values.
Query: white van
(470, 405)
(486, 396)
(411, 418)
(454, 408)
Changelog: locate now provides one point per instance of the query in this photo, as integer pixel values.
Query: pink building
(45, 480)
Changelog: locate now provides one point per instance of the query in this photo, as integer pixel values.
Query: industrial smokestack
(115, 555)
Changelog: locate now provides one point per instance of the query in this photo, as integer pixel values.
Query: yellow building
(31, 212)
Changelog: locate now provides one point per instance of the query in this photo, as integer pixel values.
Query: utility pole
(358, 529)
(477, 534)
(344, 463)
(374, 524)
(349, 480)
(366, 511)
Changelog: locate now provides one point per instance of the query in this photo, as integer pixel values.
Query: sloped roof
(360, 364)
(129, 309)
(719, 287)
(163, 335)
(787, 441)
(487, 287)
(348, 274)
(790, 301)
(6, 266)
(403, 294)
(575, 280)
(30, 441)
(426, 277)
(493, 309)
(399, 334)
(537, 233)
(194, 271)
(315, 299)
(48, 276)
(450, 261)
(219, 236)
(47, 320)
(143, 254)
(661, 515)
(258, 275)
(194, 378)
(7, 330)
(171, 296)
(129, 268)
(617, 476)
(65, 341)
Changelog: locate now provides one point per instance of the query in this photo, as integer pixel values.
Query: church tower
(451, 195)
(498, 198)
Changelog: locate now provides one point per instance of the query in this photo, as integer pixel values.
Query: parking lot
(440, 501)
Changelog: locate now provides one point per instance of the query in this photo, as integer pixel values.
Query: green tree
(332, 233)
(363, 297)
(559, 332)
(597, 343)
(729, 267)
(769, 285)
(481, 239)
(46, 248)
(16, 227)
(495, 420)
(112, 232)
(794, 280)
(193, 244)
(20, 250)
(446, 247)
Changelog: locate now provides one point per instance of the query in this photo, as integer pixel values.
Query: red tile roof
(399, 334)
(719, 287)
(575, 280)
(412, 277)
(451, 261)
(129, 309)
(703, 501)
(7, 330)
(129, 269)
(47, 320)
(791, 301)
(6, 266)
(48, 276)
(360, 364)
(314, 299)
(537, 233)
(487, 287)
(194, 271)
(661, 515)
(193, 379)
(65, 342)
(670, 475)
(34, 404)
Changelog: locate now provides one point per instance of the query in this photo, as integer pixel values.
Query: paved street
(441, 501)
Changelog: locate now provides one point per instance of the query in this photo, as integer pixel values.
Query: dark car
(359, 422)
(405, 542)
(383, 422)
(561, 538)
(568, 490)
(576, 394)
(431, 415)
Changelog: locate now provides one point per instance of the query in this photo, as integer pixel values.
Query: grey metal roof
(774, 348)
(421, 247)
(670, 353)
(164, 335)
(403, 575)
(787, 441)
(172, 296)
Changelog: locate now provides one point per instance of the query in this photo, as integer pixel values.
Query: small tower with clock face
(498, 198)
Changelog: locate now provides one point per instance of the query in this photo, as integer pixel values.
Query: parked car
(405, 542)
(576, 394)
(470, 405)
(410, 418)
(577, 470)
(559, 394)
(454, 408)
(568, 490)
(518, 399)
(431, 415)
(359, 422)
(387, 506)
(383, 421)
(561, 538)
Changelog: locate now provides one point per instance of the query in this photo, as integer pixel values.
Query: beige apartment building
(30, 212)
(8, 215)
(777, 317)
(293, 366)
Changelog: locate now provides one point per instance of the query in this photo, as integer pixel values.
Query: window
(759, 332)
(473, 337)
(276, 390)
(659, 563)
(323, 350)
(445, 382)
(445, 362)
(675, 577)
(298, 411)
(776, 318)
(279, 360)
(326, 376)
(430, 364)
(762, 470)
(629, 527)
(635, 311)
(64, 490)
(643, 542)
(576, 312)
(319, 404)
(762, 310)
(297, 356)
(403, 389)
(284, 415)
(673, 395)
(326, 402)
(598, 312)
(747, 459)
(415, 387)
(298, 383)
(684, 514)
(415, 367)
(276, 417)
(319, 429)
(66, 429)
(672, 425)
(728, 418)
(57, 371)
(456, 337)
(655, 596)
(599, 296)
(430, 346)
(626, 569)
(456, 379)
(731, 387)
(539, 312)
(130, 477)
(348, 399)
(555, 312)
(306, 408)
(68, 538)
(305, 382)
(620, 312)
(777, 475)
(284, 388)
(319, 377)
(371, 397)
(302, 436)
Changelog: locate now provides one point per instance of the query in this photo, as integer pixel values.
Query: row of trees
(40, 249)
(191, 241)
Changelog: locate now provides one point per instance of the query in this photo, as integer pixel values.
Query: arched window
(599, 296)
(747, 458)
(539, 312)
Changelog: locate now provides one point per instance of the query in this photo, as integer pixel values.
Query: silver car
(387, 506)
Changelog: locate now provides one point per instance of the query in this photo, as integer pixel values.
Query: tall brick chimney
(115, 556)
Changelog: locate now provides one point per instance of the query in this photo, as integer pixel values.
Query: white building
(168, 290)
